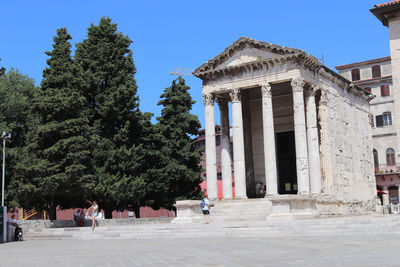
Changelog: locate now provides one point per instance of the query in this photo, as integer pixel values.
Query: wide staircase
(248, 218)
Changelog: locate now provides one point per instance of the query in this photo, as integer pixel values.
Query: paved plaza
(338, 250)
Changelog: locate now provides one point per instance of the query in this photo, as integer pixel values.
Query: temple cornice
(241, 43)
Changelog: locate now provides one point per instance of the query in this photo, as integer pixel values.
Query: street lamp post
(5, 136)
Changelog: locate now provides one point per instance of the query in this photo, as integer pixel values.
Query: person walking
(95, 209)
(205, 204)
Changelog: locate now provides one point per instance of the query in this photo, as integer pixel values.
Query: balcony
(387, 169)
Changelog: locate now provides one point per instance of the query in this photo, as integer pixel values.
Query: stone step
(324, 226)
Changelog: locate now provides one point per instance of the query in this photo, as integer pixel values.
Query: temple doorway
(286, 161)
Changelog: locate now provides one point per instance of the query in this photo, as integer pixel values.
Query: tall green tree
(2, 70)
(16, 93)
(178, 172)
(105, 76)
(56, 165)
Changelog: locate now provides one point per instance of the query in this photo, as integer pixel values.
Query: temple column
(327, 172)
(225, 149)
(313, 142)
(211, 156)
(385, 196)
(238, 145)
(398, 194)
(300, 137)
(271, 177)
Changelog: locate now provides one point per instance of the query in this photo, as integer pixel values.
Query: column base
(245, 197)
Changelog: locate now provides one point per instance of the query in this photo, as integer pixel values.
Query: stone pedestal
(188, 211)
(286, 207)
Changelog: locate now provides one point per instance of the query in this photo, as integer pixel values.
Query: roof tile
(387, 3)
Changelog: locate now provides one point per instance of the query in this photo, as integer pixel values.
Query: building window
(385, 90)
(390, 157)
(371, 120)
(355, 74)
(379, 121)
(368, 89)
(376, 160)
(376, 71)
(387, 118)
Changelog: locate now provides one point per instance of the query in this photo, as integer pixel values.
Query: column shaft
(385, 197)
(313, 143)
(398, 194)
(225, 150)
(238, 145)
(300, 137)
(271, 176)
(211, 158)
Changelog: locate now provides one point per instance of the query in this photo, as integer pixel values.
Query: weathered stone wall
(349, 142)
(394, 36)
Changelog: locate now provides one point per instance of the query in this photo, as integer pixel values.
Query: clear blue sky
(169, 34)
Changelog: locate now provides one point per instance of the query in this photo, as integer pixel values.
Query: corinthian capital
(315, 87)
(235, 95)
(297, 84)
(266, 90)
(208, 99)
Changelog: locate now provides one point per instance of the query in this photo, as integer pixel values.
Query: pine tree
(57, 150)
(2, 70)
(16, 94)
(179, 173)
(105, 75)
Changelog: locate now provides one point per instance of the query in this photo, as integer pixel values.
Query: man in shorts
(206, 210)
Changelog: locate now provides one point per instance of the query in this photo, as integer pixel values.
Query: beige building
(381, 78)
(297, 126)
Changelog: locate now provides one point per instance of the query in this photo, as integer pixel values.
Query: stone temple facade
(297, 126)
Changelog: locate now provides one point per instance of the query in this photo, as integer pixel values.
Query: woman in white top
(95, 209)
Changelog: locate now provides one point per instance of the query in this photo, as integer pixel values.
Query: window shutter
(376, 71)
(390, 157)
(387, 118)
(368, 89)
(385, 90)
(379, 120)
(355, 74)
(376, 161)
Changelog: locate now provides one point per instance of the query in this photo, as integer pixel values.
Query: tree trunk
(137, 211)
(52, 211)
(108, 213)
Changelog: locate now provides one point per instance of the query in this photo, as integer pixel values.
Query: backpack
(202, 203)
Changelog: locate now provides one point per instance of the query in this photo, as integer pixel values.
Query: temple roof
(249, 55)
(270, 51)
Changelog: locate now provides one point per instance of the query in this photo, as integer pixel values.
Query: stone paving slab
(334, 250)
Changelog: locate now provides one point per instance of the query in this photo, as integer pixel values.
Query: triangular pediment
(243, 51)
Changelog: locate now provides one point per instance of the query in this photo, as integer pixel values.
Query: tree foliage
(16, 92)
(57, 150)
(83, 137)
(105, 76)
(177, 174)
(2, 70)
